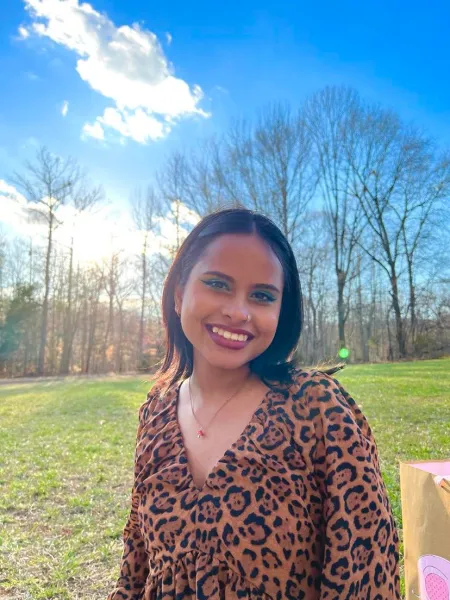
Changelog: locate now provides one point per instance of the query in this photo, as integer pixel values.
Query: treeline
(362, 196)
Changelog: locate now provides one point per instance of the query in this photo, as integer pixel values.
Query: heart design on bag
(434, 578)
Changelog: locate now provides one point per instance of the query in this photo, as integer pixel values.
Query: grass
(66, 462)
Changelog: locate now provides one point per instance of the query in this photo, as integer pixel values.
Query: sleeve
(134, 567)
(360, 540)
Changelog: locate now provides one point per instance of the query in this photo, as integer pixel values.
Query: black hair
(277, 363)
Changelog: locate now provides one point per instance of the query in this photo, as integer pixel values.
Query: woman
(253, 478)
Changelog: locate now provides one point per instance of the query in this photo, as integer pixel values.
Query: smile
(237, 337)
(228, 339)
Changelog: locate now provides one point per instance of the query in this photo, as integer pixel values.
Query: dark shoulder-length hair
(277, 363)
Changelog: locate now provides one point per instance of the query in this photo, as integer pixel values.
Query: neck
(212, 384)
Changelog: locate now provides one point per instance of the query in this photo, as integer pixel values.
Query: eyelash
(210, 283)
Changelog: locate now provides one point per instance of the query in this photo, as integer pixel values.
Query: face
(238, 275)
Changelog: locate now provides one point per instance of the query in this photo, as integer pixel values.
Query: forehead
(242, 256)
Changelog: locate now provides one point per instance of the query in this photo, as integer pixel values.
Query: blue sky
(241, 55)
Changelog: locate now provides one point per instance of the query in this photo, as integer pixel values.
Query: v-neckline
(180, 439)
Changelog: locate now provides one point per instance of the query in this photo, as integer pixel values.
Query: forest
(362, 196)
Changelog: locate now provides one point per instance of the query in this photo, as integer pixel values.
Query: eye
(215, 284)
(218, 284)
(264, 297)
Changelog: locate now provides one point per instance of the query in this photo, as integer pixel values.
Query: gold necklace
(201, 432)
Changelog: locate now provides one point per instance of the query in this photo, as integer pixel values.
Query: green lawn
(66, 463)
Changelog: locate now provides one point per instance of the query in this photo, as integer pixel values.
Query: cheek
(201, 303)
(269, 321)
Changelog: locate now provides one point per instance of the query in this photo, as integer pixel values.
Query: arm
(360, 541)
(134, 567)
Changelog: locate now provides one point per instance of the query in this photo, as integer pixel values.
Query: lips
(249, 335)
(220, 340)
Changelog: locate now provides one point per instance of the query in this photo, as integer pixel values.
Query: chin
(220, 363)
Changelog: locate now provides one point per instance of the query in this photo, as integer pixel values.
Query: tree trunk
(412, 304)
(140, 361)
(390, 355)
(109, 334)
(362, 329)
(43, 340)
(341, 308)
(84, 329)
(26, 351)
(52, 342)
(67, 335)
(92, 328)
(119, 349)
(398, 315)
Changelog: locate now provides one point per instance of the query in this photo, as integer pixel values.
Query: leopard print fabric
(295, 509)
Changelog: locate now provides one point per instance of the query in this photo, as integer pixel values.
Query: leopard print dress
(296, 508)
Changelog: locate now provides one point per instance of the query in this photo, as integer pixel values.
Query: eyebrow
(266, 286)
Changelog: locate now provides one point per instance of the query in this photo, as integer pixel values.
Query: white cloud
(14, 211)
(9, 192)
(97, 233)
(137, 125)
(168, 38)
(95, 130)
(23, 33)
(125, 64)
(65, 108)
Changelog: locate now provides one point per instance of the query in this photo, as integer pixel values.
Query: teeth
(230, 336)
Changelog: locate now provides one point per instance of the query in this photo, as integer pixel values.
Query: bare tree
(46, 184)
(206, 189)
(15, 263)
(83, 197)
(199, 179)
(313, 258)
(145, 211)
(389, 166)
(328, 115)
(172, 187)
(93, 287)
(122, 291)
(175, 200)
(423, 213)
(267, 166)
(110, 271)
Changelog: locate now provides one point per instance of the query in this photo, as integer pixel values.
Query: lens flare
(343, 353)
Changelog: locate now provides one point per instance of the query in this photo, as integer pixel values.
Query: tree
(313, 259)
(46, 185)
(145, 211)
(267, 166)
(423, 192)
(328, 116)
(396, 180)
(20, 313)
(83, 198)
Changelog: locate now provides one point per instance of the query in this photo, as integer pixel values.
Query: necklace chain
(201, 432)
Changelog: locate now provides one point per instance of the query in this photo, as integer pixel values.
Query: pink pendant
(200, 433)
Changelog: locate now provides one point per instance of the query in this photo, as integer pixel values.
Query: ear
(178, 299)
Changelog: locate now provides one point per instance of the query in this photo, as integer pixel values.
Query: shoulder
(148, 407)
(326, 400)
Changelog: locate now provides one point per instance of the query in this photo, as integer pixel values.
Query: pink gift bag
(425, 491)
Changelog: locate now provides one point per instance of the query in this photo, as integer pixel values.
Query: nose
(236, 311)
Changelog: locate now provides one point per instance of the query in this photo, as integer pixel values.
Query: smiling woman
(254, 478)
(235, 268)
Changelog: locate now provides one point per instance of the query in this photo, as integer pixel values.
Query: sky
(120, 84)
